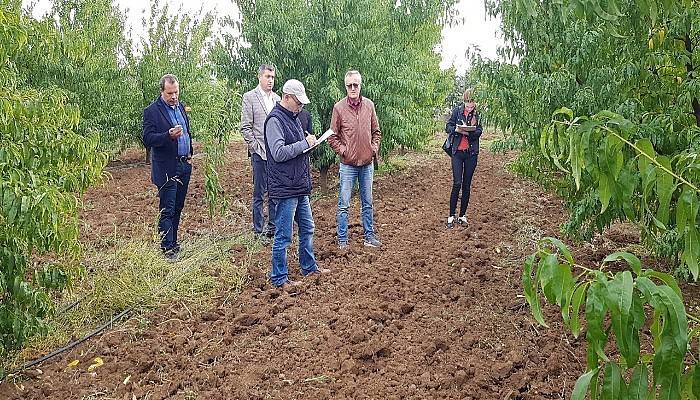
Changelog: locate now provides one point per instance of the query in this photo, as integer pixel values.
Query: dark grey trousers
(259, 193)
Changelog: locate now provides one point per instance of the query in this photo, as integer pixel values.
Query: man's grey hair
(265, 67)
(170, 78)
(353, 72)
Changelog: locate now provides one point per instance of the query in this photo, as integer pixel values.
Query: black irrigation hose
(77, 342)
(70, 306)
(96, 331)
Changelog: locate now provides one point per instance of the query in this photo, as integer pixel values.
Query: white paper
(320, 140)
(468, 128)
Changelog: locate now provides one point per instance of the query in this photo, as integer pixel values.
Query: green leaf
(604, 191)
(684, 208)
(582, 383)
(613, 9)
(647, 154)
(667, 279)
(546, 133)
(576, 300)
(547, 268)
(569, 113)
(619, 300)
(631, 259)
(639, 384)
(619, 293)
(653, 12)
(613, 384)
(561, 247)
(664, 190)
(595, 315)
(668, 359)
(691, 250)
(676, 321)
(530, 290)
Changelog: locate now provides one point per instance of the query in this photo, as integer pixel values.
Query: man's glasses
(298, 103)
(352, 85)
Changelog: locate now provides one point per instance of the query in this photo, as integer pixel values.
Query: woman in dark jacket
(463, 130)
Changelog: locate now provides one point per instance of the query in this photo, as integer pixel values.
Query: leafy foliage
(181, 45)
(317, 41)
(609, 156)
(220, 108)
(628, 69)
(620, 304)
(45, 164)
(80, 46)
(176, 44)
(69, 88)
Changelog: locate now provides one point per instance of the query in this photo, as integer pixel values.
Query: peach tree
(603, 97)
(640, 310)
(45, 165)
(391, 43)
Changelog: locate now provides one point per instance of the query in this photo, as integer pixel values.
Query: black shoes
(172, 253)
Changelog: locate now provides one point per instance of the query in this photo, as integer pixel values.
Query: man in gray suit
(257, 103)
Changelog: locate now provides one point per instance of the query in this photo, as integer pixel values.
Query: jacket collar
(286, 112)
(259, 94)
(163, 108)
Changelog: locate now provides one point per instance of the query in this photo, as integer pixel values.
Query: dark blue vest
(291, 178)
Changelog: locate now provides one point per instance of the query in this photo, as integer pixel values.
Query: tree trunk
(696, 111)
(324, 179)
(689, 67)
(148, 155)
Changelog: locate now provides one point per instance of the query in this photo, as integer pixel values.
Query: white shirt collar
(262, 92)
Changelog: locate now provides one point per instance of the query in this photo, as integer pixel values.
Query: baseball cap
(296, 88)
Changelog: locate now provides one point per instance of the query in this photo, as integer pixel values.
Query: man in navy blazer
(166, 130)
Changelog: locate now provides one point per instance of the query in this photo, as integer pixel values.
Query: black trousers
(463, 166)
(172, 200)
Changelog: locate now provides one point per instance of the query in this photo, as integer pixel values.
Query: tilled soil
(435, 313)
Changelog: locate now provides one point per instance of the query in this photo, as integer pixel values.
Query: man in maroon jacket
(356, 141)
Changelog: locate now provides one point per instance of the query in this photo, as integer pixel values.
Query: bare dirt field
(436, 313)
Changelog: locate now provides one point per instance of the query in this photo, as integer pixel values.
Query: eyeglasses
(469, 100)
(352, 85)
(298, 103)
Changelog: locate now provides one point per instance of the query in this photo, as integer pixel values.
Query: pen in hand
(310, 139)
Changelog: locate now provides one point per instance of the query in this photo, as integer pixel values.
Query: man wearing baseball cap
(289, 183)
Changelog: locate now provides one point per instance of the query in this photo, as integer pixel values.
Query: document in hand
(320, 140)
(467, 128)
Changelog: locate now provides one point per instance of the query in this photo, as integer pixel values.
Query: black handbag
(447, 146)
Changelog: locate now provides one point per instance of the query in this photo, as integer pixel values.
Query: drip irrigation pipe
(99, 329)
(75, 343)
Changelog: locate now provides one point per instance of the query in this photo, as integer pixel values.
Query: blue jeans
(295, 209)
(259, 190)
(348, 175)
(172, 200)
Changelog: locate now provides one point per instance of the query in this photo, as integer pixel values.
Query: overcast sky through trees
(477, 31)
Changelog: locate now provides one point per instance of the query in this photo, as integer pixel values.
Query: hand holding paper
(320, 140)
(465, 129)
